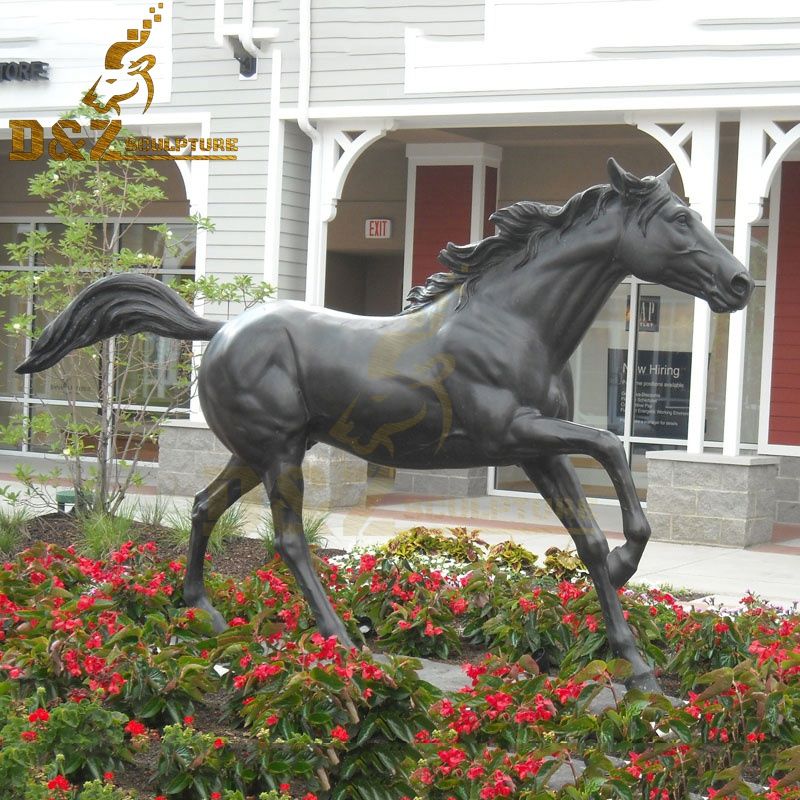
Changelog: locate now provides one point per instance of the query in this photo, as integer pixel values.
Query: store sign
(24, 71)
(378, 229)
(126, 75)
(660, 392)
(649, 313)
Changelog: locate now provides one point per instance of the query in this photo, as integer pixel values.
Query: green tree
(112, 396)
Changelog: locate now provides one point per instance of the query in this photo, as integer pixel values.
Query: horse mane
(521, 228)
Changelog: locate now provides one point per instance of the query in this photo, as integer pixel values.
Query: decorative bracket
(341, 148)
(692, 144)
(765, 137)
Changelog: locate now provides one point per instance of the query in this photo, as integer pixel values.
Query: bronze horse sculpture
(474, 372)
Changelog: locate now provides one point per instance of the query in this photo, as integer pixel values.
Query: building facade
(369, 136)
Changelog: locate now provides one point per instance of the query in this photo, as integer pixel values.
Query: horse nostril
(742, 284)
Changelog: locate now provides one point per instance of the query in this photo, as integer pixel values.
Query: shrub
(13, 527)
(314, 527)
(229, 525)
(101, 533)
(459, 544)
(194, 764)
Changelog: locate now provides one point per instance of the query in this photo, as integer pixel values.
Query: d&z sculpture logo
(126, 75)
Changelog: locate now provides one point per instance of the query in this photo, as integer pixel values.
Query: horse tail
(122, 303)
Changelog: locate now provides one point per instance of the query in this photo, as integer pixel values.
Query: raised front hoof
(644, 682)
(621, 567)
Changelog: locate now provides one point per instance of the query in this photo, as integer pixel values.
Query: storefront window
(718, 357)
(160, 364)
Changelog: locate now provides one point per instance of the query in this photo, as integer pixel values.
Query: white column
(703, 198)
(698, 167)
(272, 221)
(748, 209)
(322, 154)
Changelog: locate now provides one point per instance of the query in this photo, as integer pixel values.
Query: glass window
(11, 306)
(663, 363)
(718, 356)
(150, 370)
(177, 257)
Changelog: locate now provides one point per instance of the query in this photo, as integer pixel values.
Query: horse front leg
(235, 480)
(533, 435)
(556, 479)
(283, 480)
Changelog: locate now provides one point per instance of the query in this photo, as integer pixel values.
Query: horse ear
(667, 174)
(621, 180)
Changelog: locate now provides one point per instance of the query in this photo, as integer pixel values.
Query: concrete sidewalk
(771, 571)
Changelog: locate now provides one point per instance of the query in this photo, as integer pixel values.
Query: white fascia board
(593, 107)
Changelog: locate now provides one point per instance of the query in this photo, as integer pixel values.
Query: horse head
(131, 72)
(666, 242)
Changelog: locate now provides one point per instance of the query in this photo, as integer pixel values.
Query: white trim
(272, 215)
(408, 248)
(457, 153)
(770, 292)
(476, 208)
(780, 450)
(605, 107)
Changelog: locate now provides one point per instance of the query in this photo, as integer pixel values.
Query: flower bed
(109, 688)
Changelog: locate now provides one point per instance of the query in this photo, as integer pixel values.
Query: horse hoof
(620, 570)
(644, 682)
(217, 620)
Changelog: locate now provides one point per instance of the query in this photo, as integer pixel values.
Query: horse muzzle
(734, 295)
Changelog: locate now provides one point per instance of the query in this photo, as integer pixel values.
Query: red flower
(60, 783)
(215, 796)
(39, 715)
(458, 605)
(219, 743)
(284, 787)
(188, 720)
(340, 733)
(135, 728)
(108, 776)
(29, 736)
(450, 759)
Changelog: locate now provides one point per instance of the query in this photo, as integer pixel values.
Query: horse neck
(562, 289)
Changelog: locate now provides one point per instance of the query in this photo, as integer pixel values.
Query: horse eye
(682, 219)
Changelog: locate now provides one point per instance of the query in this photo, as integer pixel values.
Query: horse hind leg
(234, 481)
(556, 479)
(283, 480)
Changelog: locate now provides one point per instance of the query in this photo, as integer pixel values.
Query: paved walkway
(771, 571)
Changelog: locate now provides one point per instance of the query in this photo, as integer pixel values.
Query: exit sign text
(378, 229)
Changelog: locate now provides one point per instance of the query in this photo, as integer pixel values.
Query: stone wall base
(443, 482)
(787, 490)
(711, 499)
(190, 456)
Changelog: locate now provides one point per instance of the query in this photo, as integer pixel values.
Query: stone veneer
(443, 482)
(711, 499)
(787, 490)
(190, 456)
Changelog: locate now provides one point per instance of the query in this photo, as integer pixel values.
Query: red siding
(489, 200)
(784, 412)
(442, 209)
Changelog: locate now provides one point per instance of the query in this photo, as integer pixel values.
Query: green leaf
(179, 783)
(333, 682)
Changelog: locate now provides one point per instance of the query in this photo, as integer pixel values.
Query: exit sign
(378, 229)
